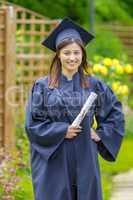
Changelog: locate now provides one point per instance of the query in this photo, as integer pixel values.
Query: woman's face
(71, 57)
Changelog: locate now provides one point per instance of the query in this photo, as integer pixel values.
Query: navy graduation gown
(68, 169)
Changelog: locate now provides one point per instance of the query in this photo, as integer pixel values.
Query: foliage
(9, 180)
(124, 160)
(15, 172)
(114, 73)
(129, 122)
(106, 44)
(58, 8)
(15, 178)
(127, 5)
(113, 10)
(106, 185)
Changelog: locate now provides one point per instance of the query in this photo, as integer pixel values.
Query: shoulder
(40, 84)
(42, 81)
(96, 83)
(102, 89)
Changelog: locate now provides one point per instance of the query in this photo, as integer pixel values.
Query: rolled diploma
(92, 97)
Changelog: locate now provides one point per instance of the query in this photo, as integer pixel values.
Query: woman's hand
(73, 131)
(94, 136)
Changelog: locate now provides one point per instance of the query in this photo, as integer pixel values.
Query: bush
(114, 73)
(106, 44)
(9, 181)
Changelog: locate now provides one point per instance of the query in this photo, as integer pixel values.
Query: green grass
(26, 190)
(106, 186)
(123, 163)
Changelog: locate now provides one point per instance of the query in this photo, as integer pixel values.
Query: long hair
(55, 68)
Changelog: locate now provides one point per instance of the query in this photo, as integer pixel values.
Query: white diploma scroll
(86, 107)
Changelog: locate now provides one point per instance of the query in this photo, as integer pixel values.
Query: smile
(72, 63)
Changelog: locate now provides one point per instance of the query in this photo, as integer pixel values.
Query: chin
(72, 68)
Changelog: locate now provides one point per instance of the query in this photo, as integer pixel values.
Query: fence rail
(21, 62)
(125, 33)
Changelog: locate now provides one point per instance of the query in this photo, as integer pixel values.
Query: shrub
(114, 73)
(106, 44)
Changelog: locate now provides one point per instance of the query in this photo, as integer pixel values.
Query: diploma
(86, 107)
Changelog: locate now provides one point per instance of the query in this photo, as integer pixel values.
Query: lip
(71, 63)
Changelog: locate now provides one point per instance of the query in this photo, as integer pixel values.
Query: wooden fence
(125, 33)
(2, 62)
(22, 60)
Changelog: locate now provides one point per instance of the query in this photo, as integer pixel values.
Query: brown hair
(55, 68)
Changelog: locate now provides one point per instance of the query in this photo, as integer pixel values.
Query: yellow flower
(96, 68)
(103, 70)
(124, 90)
(88, 71)
(115, 61)
(107, 62)
(115, 86)
(119, 69)
(128, 69)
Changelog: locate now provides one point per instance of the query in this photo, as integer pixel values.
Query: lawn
(123, 163)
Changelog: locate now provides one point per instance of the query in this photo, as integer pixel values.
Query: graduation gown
(68, 169)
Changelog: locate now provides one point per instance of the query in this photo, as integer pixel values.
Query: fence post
(10, 78)
(2, 67)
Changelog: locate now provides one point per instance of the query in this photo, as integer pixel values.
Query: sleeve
(110, 123)
(44, 135)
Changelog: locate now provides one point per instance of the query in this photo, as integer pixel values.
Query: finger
(79, 127)
(92, 137)
(74, 135)
(75, 131)
(70, 137)
(76, 127)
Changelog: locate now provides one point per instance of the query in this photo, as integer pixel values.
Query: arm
(110, 120)
(46, 136)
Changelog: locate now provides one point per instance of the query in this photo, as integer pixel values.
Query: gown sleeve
(44, 134)
(110, 122)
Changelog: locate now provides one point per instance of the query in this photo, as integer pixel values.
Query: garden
(109, 62)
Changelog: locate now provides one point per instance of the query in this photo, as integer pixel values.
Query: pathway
(123, 186)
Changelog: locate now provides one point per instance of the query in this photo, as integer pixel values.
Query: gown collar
(75, 81)
(64, 77)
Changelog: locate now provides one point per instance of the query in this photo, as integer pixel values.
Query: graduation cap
(67, 29)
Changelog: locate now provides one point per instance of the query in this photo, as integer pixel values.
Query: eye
(77, 52)
(66, 52)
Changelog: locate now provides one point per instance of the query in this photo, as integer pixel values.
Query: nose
(72, 57)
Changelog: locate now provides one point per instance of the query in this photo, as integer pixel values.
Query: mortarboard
(67, 29)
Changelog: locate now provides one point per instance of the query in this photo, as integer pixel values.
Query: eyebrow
(70, 50)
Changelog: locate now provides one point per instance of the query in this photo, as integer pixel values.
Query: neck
(69, 75)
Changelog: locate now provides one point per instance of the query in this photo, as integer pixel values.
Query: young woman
(64, 159)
